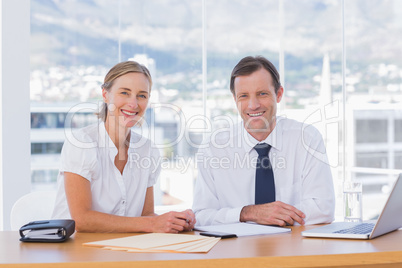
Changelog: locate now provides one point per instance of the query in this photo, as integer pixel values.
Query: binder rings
(47, 231)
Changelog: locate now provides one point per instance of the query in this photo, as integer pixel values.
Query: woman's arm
(79, 198)
(149, 211)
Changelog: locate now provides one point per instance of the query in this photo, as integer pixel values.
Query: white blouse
(90, 153)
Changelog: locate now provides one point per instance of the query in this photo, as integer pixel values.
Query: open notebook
(389, 220)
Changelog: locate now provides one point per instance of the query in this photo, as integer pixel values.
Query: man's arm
(206, 205)
(208, 202)
(275, 213)
(317, 191)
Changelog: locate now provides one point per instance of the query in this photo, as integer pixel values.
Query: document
(55, 233)
(243, 229)
(157, 242)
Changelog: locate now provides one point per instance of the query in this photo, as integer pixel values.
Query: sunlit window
(74, 43)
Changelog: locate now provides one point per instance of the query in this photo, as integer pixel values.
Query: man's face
(256, 101)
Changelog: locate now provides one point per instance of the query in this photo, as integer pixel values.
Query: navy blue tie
(264, 177)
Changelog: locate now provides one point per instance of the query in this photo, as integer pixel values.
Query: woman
(101, 183)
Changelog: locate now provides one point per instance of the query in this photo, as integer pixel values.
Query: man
(288, 183)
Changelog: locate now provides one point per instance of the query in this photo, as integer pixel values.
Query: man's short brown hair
(249, 65)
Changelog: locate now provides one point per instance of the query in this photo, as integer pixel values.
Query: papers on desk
(55, 233)
(243, 229)
(156, 242)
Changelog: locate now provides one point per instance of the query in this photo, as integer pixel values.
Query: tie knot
(262, 149)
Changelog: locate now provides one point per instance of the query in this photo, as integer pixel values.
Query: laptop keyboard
(362, 228)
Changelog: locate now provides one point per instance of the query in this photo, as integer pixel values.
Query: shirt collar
(274, 139)
(105, 141)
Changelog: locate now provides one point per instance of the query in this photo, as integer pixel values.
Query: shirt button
(123, 202)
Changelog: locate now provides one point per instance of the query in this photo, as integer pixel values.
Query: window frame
(15, 172)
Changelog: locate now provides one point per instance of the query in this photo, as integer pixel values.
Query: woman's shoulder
(80, 136)
(91, 131)
(139, 139)
(140, 142)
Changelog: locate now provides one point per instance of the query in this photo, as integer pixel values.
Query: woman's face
(127, 99)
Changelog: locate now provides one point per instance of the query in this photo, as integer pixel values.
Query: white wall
(15, 176)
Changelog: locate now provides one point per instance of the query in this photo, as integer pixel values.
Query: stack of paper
(243, 229)
(54, 233)
(157, 242)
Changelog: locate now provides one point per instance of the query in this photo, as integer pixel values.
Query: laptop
(389, 220)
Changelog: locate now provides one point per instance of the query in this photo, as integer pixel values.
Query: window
(169, 40)
(371, 131)
(74, 43)
(46, 148)
(372, 159)
(398, 160)
(398, 130)
(372, 87)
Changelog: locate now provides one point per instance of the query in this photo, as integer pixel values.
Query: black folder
(47, 231)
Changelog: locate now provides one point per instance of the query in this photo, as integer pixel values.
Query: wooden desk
(282, 250)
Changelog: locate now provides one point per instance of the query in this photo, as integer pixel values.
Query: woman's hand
(174, 222)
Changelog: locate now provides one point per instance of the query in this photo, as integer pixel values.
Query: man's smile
(255, 114)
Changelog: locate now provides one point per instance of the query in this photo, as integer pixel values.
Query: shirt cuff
(233, 215)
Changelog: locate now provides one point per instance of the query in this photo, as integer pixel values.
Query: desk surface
(280, 250)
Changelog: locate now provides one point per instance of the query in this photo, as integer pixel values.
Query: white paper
(243, 229)
(54, 233)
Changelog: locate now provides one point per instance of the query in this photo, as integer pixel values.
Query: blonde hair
(115, 72)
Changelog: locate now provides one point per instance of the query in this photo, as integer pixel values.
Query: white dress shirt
(90, 153)
(227, 167)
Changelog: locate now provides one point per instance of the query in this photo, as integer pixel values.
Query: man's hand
(190, 220)
(275, 213)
